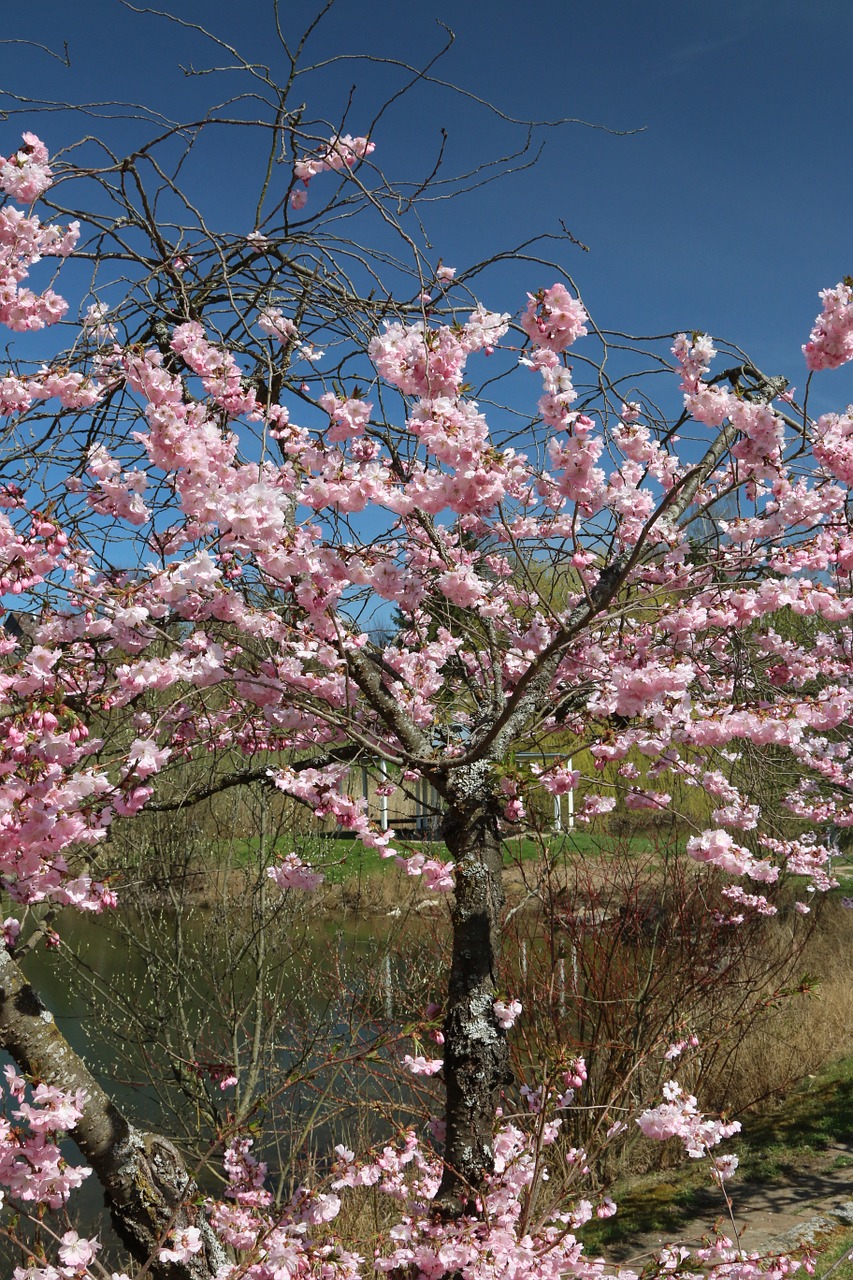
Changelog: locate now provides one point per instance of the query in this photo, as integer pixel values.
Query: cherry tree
(211, 494)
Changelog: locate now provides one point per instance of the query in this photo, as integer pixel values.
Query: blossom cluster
(32, 1168)
(678, 1116)
(343, 152)
(831, 342)
(23, 242)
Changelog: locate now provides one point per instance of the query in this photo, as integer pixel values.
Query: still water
(314, 1012)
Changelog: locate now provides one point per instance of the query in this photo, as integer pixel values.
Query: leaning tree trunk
(476, 1056)
(145, 1181)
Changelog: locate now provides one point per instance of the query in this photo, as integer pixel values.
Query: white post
(388, 986)
(571, 801)
(383, 808)
(420, 787)
(557, 824)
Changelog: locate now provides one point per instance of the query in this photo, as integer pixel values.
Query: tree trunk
(476, 1057)
(145, 1181)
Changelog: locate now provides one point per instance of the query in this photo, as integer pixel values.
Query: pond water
(322, 967)
(161, 1004)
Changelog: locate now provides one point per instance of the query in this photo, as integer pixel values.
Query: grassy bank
(793, 1137)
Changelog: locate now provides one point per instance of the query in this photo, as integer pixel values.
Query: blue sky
(726, 213)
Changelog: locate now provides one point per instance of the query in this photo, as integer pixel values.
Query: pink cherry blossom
(421, 1066)
(343, 152)
(507, 1013)
(292, 873)
(26, 175)
(554, 319)
(831, 342)
(75, 1252)
(183, 1244)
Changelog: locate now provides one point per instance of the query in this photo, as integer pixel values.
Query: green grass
(578, 843)
(843, 873)
(343, 857)
(834, 1256)
(818, 1113)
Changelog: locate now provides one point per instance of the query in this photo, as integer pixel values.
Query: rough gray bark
(145, 1180)
(476, 1056)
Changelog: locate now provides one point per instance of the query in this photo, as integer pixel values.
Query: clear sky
(726, 213)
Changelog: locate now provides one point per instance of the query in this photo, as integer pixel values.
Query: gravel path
(783, 1216)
